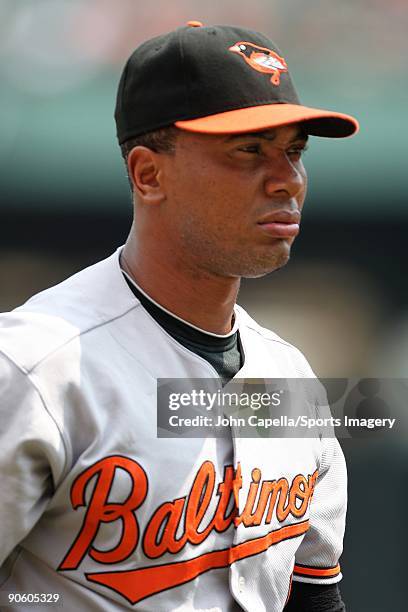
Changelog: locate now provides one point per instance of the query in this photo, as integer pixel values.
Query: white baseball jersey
(96, 508)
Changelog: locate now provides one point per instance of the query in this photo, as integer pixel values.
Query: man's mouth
(281, 230)
(281, 224)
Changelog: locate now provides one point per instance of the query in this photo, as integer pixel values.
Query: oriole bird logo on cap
(261, 59)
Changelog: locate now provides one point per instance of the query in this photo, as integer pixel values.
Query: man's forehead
(292, 132)
(285, 135)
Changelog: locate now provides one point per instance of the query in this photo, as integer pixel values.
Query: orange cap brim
(255, 118)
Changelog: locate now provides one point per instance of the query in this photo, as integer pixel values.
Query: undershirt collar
(185, 329)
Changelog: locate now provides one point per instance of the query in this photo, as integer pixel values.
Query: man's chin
(247, 264)
(266, 272)
(262, 268)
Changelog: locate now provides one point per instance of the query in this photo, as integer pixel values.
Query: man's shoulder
(250, 323)
(278, 345)
(53, 318)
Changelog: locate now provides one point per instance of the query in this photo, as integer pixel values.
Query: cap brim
(317, 122)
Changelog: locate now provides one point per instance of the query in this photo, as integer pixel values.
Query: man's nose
(284, 177)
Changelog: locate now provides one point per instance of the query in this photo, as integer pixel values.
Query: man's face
(234, 201)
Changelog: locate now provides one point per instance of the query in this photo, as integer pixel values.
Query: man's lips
(281, 224)
(281, 230)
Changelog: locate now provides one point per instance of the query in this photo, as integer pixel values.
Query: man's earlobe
(145, 172)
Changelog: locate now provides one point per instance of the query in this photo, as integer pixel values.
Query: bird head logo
(261, 59)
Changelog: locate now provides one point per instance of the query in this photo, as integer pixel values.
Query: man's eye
(254, 149)
(297, 152)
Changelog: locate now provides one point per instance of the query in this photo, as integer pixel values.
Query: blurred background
(342, 299)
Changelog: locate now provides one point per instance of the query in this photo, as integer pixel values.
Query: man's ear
(145, 172)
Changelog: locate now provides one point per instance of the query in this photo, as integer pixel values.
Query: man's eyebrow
(267, 135)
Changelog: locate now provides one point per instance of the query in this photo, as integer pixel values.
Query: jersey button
(241, 584)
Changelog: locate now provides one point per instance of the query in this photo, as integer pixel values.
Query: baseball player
(97, 512)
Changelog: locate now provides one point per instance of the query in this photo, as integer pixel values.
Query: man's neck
(207, 301)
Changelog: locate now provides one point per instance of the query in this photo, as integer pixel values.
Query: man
(97, 509)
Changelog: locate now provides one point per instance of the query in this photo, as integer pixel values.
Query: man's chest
(147, 515)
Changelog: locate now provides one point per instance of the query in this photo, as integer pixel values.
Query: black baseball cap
(215, 80)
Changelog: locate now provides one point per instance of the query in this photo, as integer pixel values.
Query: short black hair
(162, 140)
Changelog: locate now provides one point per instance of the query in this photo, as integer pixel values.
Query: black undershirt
(315, 598)
(224, 353)
(226, 357)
